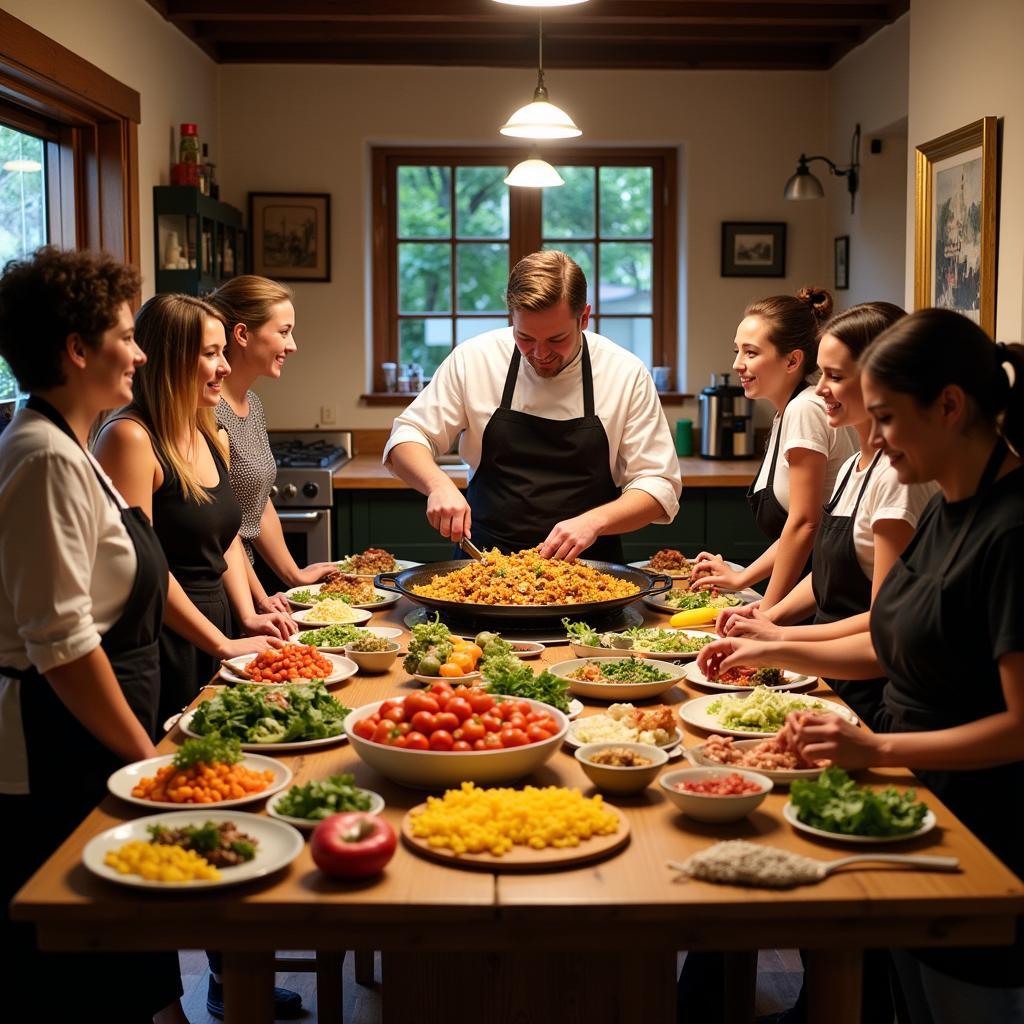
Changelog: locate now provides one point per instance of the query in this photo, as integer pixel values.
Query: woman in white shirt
(83, 583)
(776, 350)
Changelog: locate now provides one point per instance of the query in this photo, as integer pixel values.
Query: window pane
(469, 327)
(633, 333)
(569, 210)
(482, 277)
(625, 277)
(22, 210)
(424, 202)
(583, 254)
(481, 202)
(425, 342)
(626, 202)
(424, 277)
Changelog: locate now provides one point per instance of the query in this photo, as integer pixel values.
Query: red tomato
(394, 714)
(536, 733)
(462, 745)
(421, 701)
(491, 722)
(352, 845)
(516, 720)
(504, 709)
(441, 740)
(460, 707)
(447, 721)
(382, 732)
(388, 705)
(513, 738)
(462, 690)
(417, 741)
(364, 729)
(523, 707)
(397, 741)
(442, 691)
(535, 716)
(480, 701)
(492, 741)
(473, 729)
(480, 745)
(423, 721)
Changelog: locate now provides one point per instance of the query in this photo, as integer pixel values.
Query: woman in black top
(947, 627)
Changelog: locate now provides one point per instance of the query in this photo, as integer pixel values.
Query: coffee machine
(726, 420)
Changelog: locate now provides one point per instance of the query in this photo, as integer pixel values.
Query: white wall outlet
(328, 414)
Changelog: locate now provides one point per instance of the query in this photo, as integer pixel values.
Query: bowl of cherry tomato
(441, 737)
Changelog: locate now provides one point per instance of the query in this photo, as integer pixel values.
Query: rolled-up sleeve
(437, 415)
(48, 572)
(647, 455)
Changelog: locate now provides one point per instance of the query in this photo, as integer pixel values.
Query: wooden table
(596, 943)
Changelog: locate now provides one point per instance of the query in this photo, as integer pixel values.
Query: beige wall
(965, 63)
(311, 129)
(130, 41)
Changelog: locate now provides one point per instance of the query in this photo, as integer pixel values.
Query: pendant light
(540, 3)
(534, 172)
(540, 119)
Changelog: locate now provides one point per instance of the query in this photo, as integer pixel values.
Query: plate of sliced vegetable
(643, 641)
(196, 849)
(618, 678)
(760, 713)
(679, 600)
(306, 806)
(210, 770)
(749, 678)
(332, 639)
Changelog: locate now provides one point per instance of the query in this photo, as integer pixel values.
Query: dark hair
(53, 294)
(858, 326)
(794, 321)
(928, 350)
(543, 279)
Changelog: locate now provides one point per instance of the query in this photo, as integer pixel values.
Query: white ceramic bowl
(374, 661)
(621, 780)
(718, 809)
(617, 691)
(437, 769)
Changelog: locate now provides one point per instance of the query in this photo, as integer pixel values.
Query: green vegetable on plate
(321, 798)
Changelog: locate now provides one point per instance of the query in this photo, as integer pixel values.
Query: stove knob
(289, 491)
(274, 491)
(310, 489)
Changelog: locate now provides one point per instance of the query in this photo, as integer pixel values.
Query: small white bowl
(717, 809)
(308, 824)
(373, 661)
(623, 781)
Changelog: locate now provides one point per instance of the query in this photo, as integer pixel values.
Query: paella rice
(525, 578)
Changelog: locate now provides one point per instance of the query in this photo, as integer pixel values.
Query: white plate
(400, 562)
(659, 604)
(125, 779)
(452, 680)
(694, 712)
(360, 616)
(520, 648)
(616, 691)
(343, 668)
(789, 813)
(586, 651)
(575, 709)
(384, 632)
(185, 724)
(386, 599)
(279, 845)
(676, 575)
(305, 825)
(794, 681)
(695, 755)
(572, 741)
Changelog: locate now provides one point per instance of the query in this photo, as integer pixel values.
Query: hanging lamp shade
(25, 166)
(541, 3)
(540, 119)
(534, 173)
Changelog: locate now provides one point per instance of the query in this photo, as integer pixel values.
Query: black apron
(769, 514)
(535, 472)
(67, 771)
(841, 589)
(908, 621)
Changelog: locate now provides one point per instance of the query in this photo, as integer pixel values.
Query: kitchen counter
(365, 472)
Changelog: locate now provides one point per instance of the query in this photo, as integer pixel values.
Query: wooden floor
(779, 975)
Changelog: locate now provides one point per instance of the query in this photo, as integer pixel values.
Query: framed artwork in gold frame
(955, 236)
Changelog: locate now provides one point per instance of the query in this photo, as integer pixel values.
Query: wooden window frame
(90, 122)
(524, 233)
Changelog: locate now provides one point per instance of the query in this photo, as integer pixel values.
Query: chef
(562, 430)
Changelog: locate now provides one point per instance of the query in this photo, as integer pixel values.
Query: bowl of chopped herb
(617, 679)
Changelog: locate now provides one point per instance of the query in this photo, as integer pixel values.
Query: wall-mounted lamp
(804, 185)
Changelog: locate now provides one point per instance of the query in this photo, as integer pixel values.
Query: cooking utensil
(403, 582)
(234, 670)
(471, 549)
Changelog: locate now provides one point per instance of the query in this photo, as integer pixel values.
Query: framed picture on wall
(842, 251)
(955, 221)
(753, 249)
(291, 235)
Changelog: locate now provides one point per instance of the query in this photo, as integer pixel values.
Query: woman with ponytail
(946, 627)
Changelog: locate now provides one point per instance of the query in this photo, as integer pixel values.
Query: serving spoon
(471, 549)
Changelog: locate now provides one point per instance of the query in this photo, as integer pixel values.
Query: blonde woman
(164, 453)
(260, 318)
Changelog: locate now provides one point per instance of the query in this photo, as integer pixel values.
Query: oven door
(307, 534)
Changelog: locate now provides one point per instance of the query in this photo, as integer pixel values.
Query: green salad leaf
(321, 798)
(507, 675)
(685, 600)
(835, 803)
(333, 636)
(213, 749)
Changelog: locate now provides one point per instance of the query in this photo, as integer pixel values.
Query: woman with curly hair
(84, 582)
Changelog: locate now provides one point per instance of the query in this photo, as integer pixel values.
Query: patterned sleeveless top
(252, 465)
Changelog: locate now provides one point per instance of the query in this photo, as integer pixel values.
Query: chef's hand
(274, 603)
(756, 625)
(725, 617)
(448, 512)
(571, 537)
(273, 624)
(722, 655)
(819, 737)
(248, 645)
(314, 573)
(706, 563)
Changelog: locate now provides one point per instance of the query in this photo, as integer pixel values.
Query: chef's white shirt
(467, 387)
(67, 566)
(805, 425)
(884, 498)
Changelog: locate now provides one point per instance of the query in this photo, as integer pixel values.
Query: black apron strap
(588, 381)
(834, 500)
(511, 377)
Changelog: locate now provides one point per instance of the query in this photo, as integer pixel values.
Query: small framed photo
(752, 249)
(291, 235)
(842, 249)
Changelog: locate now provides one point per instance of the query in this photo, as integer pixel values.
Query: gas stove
(306, 462)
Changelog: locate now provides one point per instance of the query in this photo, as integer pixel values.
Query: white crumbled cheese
(332, 610)
(738, 862)
(615, 726)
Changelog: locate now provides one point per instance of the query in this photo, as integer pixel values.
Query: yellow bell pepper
(694, 617)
